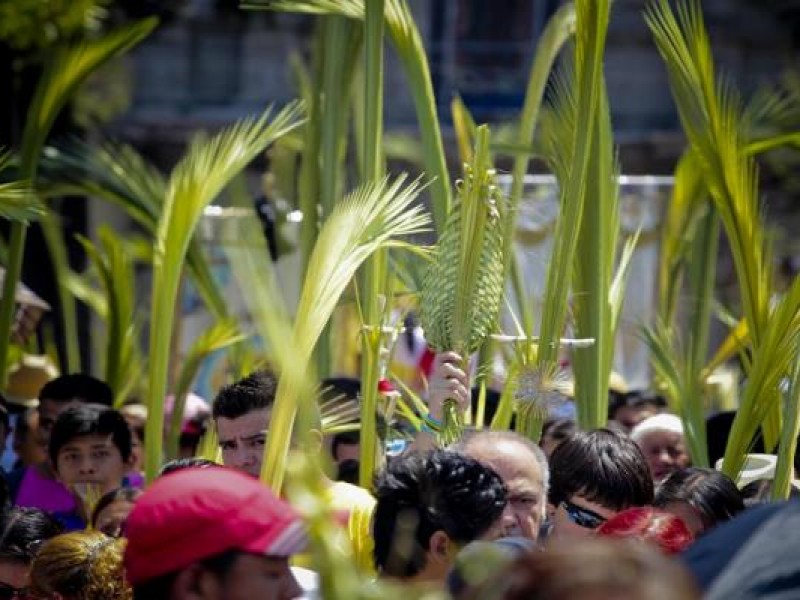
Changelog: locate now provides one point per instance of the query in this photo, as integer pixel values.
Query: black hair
(441, 491)
(712, 494)
(345, 437)
(718, 428)
(90, 419)
(4, 413)
(77, 386)
(22, 427)
(22, 531)
(254, 392)
(602, 466)
(179, 464)
(759, 491)
(634, 399)
(128, 494)
(559, 429)
(347, 471)
(160, 588)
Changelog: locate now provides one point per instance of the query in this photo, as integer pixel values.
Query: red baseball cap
(193, 514)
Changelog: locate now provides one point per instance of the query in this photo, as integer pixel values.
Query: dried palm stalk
(463, 286)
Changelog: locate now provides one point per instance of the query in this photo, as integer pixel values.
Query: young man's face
(250, 576)
(49, 411)
(91, 459)
(242, 440)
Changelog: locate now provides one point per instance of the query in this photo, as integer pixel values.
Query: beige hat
(27, 377)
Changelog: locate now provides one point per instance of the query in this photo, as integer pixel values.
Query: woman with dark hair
(22, 531)
(703, 498)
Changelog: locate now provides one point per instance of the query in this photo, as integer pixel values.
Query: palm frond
(65, 70)
(558, 30)
(464, 126)
(576, 120)
(680, 225)
(593, 276)
(716, 125)
(199, 177)
(407, 41)
(115, 272)
(784, 469)
(464, 284)
(773, 360)
(376, 270)
(17, 200)
(222, 335)
(364, 221)
(118, 174)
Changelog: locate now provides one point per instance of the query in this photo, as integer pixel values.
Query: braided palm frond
(463, 285)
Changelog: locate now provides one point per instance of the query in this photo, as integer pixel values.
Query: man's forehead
(93, 440)
(511, 460)
(252, 424)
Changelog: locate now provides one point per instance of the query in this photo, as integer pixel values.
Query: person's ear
(53, 467)
(131, 460)
(550, 511)
(440, 547)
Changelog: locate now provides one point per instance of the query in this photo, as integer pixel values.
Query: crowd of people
(611, 514)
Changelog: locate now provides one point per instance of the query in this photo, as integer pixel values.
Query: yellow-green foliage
(464, 283)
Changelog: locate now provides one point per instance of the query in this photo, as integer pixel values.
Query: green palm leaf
(559, 29)
(784, 470)
(17, 200)
(718, 127)
(371, 217)
(66, 68)
(407, 41)
(209, 165)
(463, 287)
(118, 174)
(773, 360)
(114, 267)
(222, 334)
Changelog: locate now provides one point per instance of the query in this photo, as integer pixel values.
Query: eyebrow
(255, 436)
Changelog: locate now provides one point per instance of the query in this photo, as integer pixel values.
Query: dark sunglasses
(8, 592)
(582, 517)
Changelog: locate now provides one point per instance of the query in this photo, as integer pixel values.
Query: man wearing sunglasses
(593, 476)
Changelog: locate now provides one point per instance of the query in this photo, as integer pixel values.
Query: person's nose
(509, 520)
(86, 466)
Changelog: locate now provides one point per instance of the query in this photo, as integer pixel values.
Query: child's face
(91, 459)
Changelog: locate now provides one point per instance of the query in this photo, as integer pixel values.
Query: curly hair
(82, 565)
(419, 495)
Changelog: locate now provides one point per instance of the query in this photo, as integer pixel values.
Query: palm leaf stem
(64, 72)
(784, 470)
(376, 268)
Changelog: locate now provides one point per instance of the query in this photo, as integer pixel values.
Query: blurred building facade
(215, 64)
